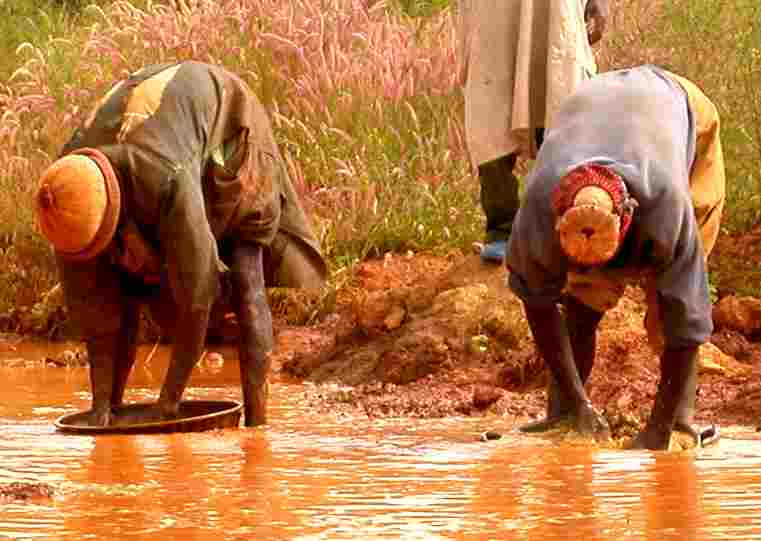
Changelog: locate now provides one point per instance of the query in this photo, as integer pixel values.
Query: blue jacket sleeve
(681, 277)
(534, 258)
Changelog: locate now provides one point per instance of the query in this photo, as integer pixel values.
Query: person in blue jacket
(628, 188)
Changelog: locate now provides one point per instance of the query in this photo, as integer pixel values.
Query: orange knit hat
(594, 212)
(78, 202)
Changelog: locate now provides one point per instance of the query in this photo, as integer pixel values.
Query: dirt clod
(25, 491)
(429, 336)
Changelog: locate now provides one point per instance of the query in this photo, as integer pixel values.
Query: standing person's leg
(488, 38)
(500, 201)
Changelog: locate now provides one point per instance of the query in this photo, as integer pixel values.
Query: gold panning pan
(144, 418)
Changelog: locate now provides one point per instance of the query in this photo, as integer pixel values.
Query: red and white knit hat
(77, 204)
(594, 212)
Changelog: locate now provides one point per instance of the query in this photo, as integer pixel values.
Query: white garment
(518, 60)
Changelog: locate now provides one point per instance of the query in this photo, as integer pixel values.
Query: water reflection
(539, 492)
(674, 486)
(312, 477)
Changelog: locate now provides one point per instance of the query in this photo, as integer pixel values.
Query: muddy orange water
(308, 477)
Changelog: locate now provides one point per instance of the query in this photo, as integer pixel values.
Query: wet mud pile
(431, 336)
(436, 336)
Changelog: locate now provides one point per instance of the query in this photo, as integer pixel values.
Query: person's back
(175, 171)
(628, 189)
(637, 123)
(163, 123)
(199, 124)
(636, 120)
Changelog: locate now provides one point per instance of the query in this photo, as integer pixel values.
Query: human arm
(537, 275)
(681, 311)
(108, 322)
(596, 15)
(676, 365)
(552, 339)
(190, 254)
(582, 322)
(674, 404)
(255, 327)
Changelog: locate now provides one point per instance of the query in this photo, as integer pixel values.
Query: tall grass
(716, 44)
(32, 21)
(362, 97)
(363, 100)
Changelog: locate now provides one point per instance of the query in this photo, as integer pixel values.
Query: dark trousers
(500, 197)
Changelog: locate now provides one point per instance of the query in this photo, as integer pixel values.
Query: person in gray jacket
(628, 188)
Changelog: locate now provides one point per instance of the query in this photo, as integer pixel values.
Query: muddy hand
(652, 439)
(587, 423)
(658, 440)
(596, 19)
(702, 437)
(591, 423)
(690, 430)
(169, 409)
(99, 417)
(547, 424)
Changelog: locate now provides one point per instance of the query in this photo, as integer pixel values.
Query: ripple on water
(308, 477)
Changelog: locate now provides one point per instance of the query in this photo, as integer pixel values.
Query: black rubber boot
(685, 413)
(499, 196)
(685, 410)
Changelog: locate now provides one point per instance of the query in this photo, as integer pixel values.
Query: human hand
(591, 423)
(596, 18)
(99, 416)
(168, 409)
(547, 424)
(653, 439)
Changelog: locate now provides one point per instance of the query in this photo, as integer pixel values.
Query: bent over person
(518, 60)
(628, 187)
(172, 192)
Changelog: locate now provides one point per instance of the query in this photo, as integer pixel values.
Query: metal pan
(144, 418)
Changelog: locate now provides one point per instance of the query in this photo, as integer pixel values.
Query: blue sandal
(494, 252)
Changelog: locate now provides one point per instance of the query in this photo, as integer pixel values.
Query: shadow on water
(312, 477)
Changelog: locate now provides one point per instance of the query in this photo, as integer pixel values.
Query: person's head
(77, 204)
(593, 212)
